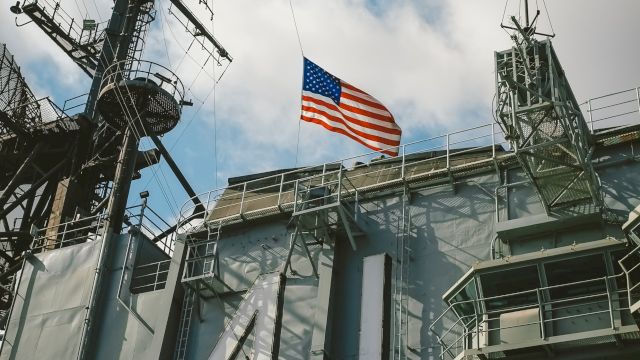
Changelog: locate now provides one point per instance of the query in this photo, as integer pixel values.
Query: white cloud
(430, 62)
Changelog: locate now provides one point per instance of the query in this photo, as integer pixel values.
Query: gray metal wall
(50, 303)
(450, 230)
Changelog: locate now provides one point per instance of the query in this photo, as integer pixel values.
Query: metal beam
(32, 190)
(201, 28)
(179, 175)
(13, 183)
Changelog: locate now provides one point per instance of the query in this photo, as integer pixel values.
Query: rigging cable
(546, 10)
(295, 25)
(129, 119)
(215, 120)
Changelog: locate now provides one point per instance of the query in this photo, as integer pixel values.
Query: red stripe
(353, 120)
(343, 132)
(373, 104)
(352, 88)
(357, 132)
(367, 113)
(314, 100)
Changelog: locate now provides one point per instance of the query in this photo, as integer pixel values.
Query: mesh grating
(135, 93)
(540, 117)
(16, 99)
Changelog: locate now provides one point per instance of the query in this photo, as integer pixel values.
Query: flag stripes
(342, 108)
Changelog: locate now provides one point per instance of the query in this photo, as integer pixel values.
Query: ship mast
(129, 98)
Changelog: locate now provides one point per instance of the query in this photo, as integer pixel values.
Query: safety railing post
(155, 282)
(64, 233)
(324, 171)
(475, 311)
(493, 140)
(590, 116)
(402, 165)
(339, 182)
(295, 195)
(541, 310)
(610, 302)
(280, 190)
(638, 98)
(447, 151)
(244, 191)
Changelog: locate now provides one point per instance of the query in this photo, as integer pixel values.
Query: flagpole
(295, 25)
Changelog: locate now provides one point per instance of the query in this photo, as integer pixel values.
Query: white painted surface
(371, 310)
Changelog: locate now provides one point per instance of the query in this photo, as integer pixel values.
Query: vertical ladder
(185, 323)
(145, 15)
(211, 250)
(401, 288)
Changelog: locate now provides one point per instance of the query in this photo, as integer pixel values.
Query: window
(588, 270)
(462, 302)
(513, 288)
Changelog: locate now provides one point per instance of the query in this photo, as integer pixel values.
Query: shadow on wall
(37, 266)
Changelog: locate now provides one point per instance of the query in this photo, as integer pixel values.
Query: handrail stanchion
(638, 98)
(324, 171)
(541, 310)
(339, 182)
(590, 115)
(447, 151)
(244, 191)
(402, 166)
(475, 310)
(295, 195)
(610, 302)
(281, 186)
(206, 209)
(493, 140)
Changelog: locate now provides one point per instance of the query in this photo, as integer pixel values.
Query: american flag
(342, 108)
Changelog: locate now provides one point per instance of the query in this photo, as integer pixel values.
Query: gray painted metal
(542, 120)
(62, 281)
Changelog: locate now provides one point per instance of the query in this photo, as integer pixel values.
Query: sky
(430, 62)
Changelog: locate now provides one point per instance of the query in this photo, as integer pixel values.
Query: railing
(74, 103)
(150, 277)
(555, 315)
(69, 233)
(146, 71)
(151, 224)
(345, 179)
(631, 266)
(613, 110)
(68, 24)
(360, 174)
(92, 228)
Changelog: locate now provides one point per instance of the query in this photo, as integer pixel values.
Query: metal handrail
(151, 225)
(281, 185)
(616, 105)
(462, 324)
(147, 70)
(284, 183)
(59, 16)
(58, 233)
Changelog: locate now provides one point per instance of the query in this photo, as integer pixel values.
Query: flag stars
(318, 81)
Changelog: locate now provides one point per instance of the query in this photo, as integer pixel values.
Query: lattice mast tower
(129, 99)
(542, 120)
